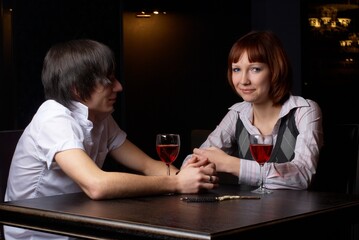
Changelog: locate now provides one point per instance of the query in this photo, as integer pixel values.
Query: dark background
(172, 66)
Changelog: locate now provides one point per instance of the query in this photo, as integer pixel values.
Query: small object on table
(216, 198)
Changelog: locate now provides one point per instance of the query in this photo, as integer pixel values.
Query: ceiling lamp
(148, 14)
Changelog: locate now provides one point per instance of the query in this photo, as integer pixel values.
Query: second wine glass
(168, 146)
(261, 149)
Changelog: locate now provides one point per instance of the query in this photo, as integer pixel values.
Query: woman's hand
(223, 161)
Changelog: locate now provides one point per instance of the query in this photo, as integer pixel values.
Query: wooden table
(301, 213)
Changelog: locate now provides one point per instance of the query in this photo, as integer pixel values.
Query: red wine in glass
(167, 153)
(261, 149)
(261, 152)
(168, 146)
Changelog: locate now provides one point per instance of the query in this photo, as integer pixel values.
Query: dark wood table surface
(301, 213)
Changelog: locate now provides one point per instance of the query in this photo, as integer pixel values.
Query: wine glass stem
(168, 169)
(262, 176)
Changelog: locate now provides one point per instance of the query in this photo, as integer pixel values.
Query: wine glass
(168, 146)
(261, 148)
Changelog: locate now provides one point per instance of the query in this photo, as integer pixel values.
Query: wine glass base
(262, 190)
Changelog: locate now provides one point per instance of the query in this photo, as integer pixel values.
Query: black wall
(38, 24)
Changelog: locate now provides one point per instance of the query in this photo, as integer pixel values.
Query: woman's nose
(244, 80)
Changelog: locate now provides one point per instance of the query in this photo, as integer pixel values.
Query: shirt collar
(245, 108)
(80, 110)
(291, 103)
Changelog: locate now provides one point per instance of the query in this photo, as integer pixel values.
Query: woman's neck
(265, 117)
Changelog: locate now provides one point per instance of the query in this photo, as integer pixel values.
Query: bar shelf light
(328, 20)
(351, 44)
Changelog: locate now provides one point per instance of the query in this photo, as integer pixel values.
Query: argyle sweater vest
(283, 150)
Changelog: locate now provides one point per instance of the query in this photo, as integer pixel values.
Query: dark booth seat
(338, 164)
(8, 141)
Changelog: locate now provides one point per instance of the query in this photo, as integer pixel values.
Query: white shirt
(296, 174)
(54, 128)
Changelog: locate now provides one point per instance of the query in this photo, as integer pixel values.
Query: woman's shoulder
(304, 106)
(240, 106)
(299, 101)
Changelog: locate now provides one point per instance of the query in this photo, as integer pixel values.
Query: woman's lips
(247, 91)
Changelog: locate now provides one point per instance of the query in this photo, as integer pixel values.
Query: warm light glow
(314, 22)
(343, 43)
(351, 44)
(143, 14)
(344, 21)
(148, 14)
(326, 20)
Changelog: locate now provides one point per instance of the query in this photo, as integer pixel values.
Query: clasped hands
(205, 158)
(200, 170)
(223, 161)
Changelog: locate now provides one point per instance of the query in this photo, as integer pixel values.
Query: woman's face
(251, 80)
(103, 98)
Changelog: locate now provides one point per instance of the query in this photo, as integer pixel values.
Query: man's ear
(75, 94)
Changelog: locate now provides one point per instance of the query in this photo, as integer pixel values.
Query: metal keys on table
(216, 198)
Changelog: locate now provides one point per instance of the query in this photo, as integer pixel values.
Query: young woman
(260, 73)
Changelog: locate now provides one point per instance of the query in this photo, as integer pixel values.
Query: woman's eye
(256, 69)
(235, 69)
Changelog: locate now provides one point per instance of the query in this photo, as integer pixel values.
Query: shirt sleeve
(298, 173)
(57, 134)
(223, 135)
